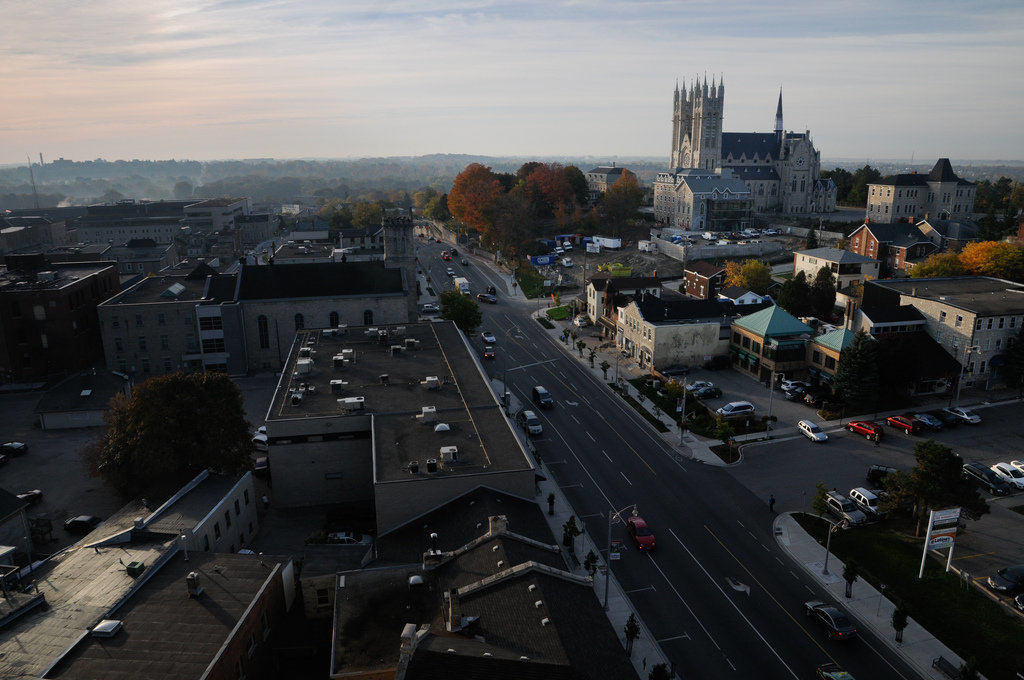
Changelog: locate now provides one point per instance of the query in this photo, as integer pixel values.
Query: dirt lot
(640, 264)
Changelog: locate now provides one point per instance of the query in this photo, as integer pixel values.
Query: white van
(736, 409)
(867, 501)
(843, 508)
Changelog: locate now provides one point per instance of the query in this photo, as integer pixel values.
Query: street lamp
(613, 516)
(828, 542)
(963, 369)
(771, 395)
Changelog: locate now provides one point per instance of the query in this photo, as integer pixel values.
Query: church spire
(778, 113)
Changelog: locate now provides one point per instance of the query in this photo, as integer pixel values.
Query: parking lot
(738, 386)
(790, 467)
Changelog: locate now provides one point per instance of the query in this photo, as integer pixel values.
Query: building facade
(896, 246)
(771, 340)
(661, 334)
(601, 178)
(214, 214)
(846, 267)
(780, 169)
(941, 194)
(703, 280)
(698, 200)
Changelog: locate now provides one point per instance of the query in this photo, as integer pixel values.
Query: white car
(559, 250)
(567, 245)
(449, 271)
(1019, 464)
(259, 441)
(1009, 473)
(812, 431)
(964, 415)
(488, 337)
(787, 385)
(582, 321)
(431, 308)
(699, 385)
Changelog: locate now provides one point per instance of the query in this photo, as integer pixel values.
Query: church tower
(400, 253)
(697, 126)
(778, 117)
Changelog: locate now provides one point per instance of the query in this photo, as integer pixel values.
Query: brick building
(896, 245)
(48, 320)
(703, 279)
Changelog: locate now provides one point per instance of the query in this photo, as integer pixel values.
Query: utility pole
(963, 369)
(613, 516)
(771, 395)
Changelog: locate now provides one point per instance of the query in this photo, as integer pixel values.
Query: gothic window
(760, 190)
(368, 317)
(300, 322)
(801, 185)
(794, 187)
(264, 331)
(334, 321)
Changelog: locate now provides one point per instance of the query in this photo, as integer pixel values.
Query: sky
(333, 78)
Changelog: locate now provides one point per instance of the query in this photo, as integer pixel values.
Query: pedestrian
(266, 502)
(771, 502)
(645, 663)
(877, 440)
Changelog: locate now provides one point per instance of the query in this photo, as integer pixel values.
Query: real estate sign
(941, 534)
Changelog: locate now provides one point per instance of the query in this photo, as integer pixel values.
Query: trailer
(461, 284)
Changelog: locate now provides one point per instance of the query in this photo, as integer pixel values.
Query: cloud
(265, 77)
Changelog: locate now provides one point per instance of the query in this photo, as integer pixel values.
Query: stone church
(709, 169)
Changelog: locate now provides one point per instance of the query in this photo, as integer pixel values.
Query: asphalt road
(721, 597)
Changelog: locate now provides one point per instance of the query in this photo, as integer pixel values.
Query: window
(736, 338)
(161, 318)
(942, 317)
(334, 320)
(1001, 319)
(261, 325)
(816, 357)
(168, 365)
(164, 344)
(227, 520)
(145, 364)
(210, 323)
(213, 345)
(119, 344)
(122, 365)
(238, 509)
(15, 309)
(245, 494)
(206, 542)
(746, 342)
(368, 317)
(39, 312)
(830, 363)
(216, 529)
(981, 367)
(990, 324)
(1013, 321)
(138, 320)
(977, 325)
(959, 320)
(239, 671)
(323, 598)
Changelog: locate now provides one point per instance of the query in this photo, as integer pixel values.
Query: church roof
(755, 172)
(709, 183)
(749, 144)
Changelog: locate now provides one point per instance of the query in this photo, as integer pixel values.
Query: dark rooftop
(319, 279)
(658, 311)
(187, 511)
(215, 203)
(982, 295)
(65, 274)
(905, 179)
(90, 390)
(161, 288)
(705, 268)
(307, 251)
(167, 634)
(942, 171)
(620, 283)
(903, 313)
(899, 234)
(462, 399)
(749, 144)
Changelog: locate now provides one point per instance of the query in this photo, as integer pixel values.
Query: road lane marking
(607, 456)
(571, 486)
(591, 437)
(640, 590)
(684, 636)
(626, 478)
(688, 608)
(576, 419)
(738, 610)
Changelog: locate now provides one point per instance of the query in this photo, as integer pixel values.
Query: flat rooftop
(983, 295)
(161, 289)
(85, 391)
(463, 399)
(65, 274)
(190, 509)
(305, 250)
(215, 203)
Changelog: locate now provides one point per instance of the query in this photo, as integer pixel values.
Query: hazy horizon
(238, 79)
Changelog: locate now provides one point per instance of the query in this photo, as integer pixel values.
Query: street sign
(614, 551)
(942, 526)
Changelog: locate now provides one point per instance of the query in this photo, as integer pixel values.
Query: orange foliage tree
(549, 187)
(474, 192)
(993, 258)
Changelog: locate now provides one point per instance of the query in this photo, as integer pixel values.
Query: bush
(544, 322)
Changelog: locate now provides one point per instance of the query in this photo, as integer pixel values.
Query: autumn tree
(421, 198)
(473, 193)
(993, 258)
(578, 181)
(367, 213)
(526, 169)
(622, 199)
(548, 187)
(939, 264)
(170, 429)
(752, 275)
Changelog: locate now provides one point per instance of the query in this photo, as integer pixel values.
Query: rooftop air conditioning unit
(398, 330)
(385, 379)
(412, 343)
(396, 350)
(305, 352)
(428, 414)
(192, 584)
(339, 362)
(338, 386)
(431, 382)
(352, 403)
(449, 454)
(297, 398)
(414, 467)
(349, 354)
(328, 332)
(46, 276)
(431, 465)
(304, 366)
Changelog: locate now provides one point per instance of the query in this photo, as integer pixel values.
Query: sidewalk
(645, 648)
(919, 647)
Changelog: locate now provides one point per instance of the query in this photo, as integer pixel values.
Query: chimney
(496, 524)
(452, 611)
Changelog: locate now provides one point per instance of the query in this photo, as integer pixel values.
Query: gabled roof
(900, 234)
(837, 340)
(772, 322)
(943, 172)
(704, 268)
(734, 292)
(750, 144)
(836, 255)
(954, 229)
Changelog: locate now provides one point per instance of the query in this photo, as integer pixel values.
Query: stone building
(941, 194)
(846, 267)
(601, 178)
(780, 169)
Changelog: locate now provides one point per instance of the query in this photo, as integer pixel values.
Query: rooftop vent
(538, 604)
(450, 650)
(432, 382)
(192, 584)
(306, 352)
(85, 393)
(442, 427)
(352, 403)
(532, 587)
(501, 564)
(297, 398)
(431, 465)
(415, 580)
(303, 366)
(414, 467)
(52, 276)
(487, 654)
(385, 379)
(428, 414)
(412, 343)
(396, 350)
(338, 386)
(449, 454)
(135, 568)
(107, 628)
(545, 621)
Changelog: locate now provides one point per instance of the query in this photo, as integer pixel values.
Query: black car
(14, 448)
(82, 524)
(926, 421)
(986, 479)
(1008, 580)
(814, 399)
(707, 392)
(947, 419)
(542, 397)
(795, 394)
(491, 290)
(877, 474)
(837, 624)
(454, 252)
(486, 297)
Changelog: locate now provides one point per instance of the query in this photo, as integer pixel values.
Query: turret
(778, 116)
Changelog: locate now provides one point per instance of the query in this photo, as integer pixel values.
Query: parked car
(486, 297)
(877, 474)
(736, 409)
(1008, 580)
(905, 423)
(790, 384)
(927, 420)
(349, 538)
(259, 441)
(431, 308)
(1019, 464)
(261, 468)
(832, 671)
(31, 497)
(1010, 474)
(836, 623)
(82, 524)
(542, 397)
(489, 338)
(843, 508)
(947, 419)
(867, 500)
(812, 431)
(581, 321)
(986, 479)
(963, 415)
(795, 393)
(640, 533)
(488, 353)
(14, 448)
(529, 421)
(866, 428)
(814, 399)
(707, 392)
(699, 384)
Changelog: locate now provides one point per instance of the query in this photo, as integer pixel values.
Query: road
(721, 597)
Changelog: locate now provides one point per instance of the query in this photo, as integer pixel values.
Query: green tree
(858, 195)
(812, 239)
(461, 309)
(632, 631)
(170, 429)
(437, 209)
(820, 495)
(580, 345)
(659, 671)
(850, 575)
(795, 296)
(367, 214)
(570, 530)
(843, 179)
(421, 198)
(823, 293)
(590, 563)
(937, 482)
(899, 622)
(604, 368)
(856, 381)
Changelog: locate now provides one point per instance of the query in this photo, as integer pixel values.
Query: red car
(865, 427)
(445, 256)
(905, 423)
(640, 532)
